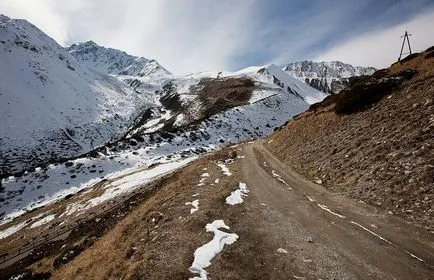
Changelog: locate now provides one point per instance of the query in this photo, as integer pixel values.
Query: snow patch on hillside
(204, 254)
(237, 196)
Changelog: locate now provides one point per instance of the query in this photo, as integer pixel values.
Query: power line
(405, 37)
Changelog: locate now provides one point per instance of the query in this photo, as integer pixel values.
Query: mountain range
(98, 145)
(330, 77)
(116, 62)
(59, 103)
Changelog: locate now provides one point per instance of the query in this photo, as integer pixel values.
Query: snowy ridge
(292, 85)
(116, 62)
(51, 105)
(231, 126)
(329, 77)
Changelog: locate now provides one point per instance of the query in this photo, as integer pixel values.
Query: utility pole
(405, 37)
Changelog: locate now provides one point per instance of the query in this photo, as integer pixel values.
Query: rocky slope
(373, 141)
(329, 77)
(51, 105)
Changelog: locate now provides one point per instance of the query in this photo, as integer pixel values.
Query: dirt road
(327, 236)
(288, 228)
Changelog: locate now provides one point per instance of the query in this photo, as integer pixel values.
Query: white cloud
(199, 35)
(380, 48)
(41, 13)
(181, 35)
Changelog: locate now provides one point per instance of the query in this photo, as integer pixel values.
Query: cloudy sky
(197, 35)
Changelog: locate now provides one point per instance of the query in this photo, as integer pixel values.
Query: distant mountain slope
(292, 85)
(194, 98)
(329, 77)
(51, 106)
(112, 61)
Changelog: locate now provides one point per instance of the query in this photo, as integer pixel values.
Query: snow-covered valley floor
(47, 185)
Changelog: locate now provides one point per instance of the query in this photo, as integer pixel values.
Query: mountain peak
(327, 76)
(113, 61)
(4, 18)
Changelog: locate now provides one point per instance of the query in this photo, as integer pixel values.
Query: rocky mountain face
(329, 77)
(116, 62)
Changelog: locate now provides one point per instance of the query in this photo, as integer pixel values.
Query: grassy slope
(382, 155)
(157, 240)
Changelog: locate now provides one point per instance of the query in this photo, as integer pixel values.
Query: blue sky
(305, 29)
(200, 35)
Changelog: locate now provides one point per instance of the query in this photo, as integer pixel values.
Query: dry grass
(157, 240)
(383, 156)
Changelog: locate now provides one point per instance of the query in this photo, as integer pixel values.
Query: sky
(203, 35)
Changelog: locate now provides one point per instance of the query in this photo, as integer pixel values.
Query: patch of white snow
(236, 196)
(225, 169)
(203, 255)
(194, 204)
(43, 221)
(11, 230)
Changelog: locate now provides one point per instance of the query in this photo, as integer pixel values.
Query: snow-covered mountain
(329, 77)
(293, 85)
(52, 106)
(191, 99)
(57, 104)
(196, 113)
(112, 61)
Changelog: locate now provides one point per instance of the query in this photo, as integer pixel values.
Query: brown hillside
(374, 141)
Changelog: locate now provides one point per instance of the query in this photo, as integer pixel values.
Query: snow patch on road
(194, 204)
(281, 250)
(203, 255)
(325, 208)
(236, 196)
(387, 241)
(371, 232)
(279, 178)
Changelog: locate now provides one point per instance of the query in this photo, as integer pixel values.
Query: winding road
(329, 236)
